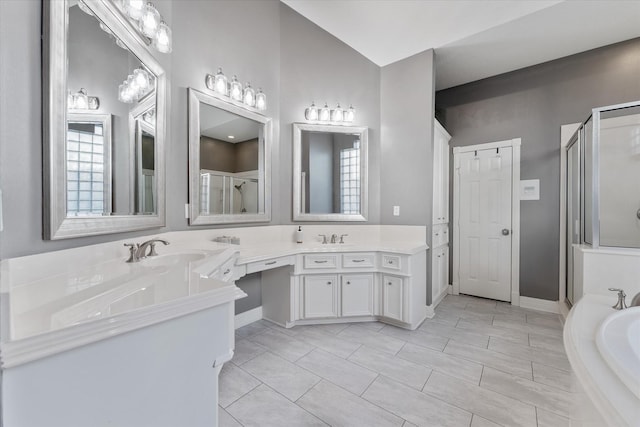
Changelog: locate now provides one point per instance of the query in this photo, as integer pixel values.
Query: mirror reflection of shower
(239, 188)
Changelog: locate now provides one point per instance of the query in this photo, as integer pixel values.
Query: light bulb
(123, 93)
(80, 100)
(261, 100)
(337, 114)
(311, 113)
(236, 89)
(350, 114)
(220, 83)
(141, 78)
(134, 8)
(94, 103)
(249, 95)
(149, 21)
(70, 103)
(325, 113)
(163, 41)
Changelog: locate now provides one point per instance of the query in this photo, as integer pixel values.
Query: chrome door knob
(505, 231)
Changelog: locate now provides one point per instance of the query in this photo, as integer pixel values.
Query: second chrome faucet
(138, 251)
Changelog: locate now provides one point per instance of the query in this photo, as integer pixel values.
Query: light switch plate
(530, 189)
(396, 211)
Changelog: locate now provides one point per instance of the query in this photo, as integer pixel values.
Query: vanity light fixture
(83, 7)
(249, 95)
(149, 23)
(136, 86)
(150, 117)
(336, 116)
(81, 101)
(234, 93)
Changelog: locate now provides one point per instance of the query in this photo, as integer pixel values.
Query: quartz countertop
(60, 300)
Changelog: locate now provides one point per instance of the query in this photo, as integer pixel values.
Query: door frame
(515, 213)
(566, 132)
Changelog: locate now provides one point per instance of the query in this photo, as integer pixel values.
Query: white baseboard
(450, 289)
(247, 317)
(539, 304)
(440, 296)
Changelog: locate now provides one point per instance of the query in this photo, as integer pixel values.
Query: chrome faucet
(333, 238)
(139, 251)
(621, 304)
(324, 238)
(342, 236)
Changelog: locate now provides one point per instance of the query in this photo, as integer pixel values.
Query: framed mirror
(329, 173)
(104, 113)
(229, 162)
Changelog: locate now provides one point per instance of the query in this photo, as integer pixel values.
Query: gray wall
(532, 104)
(229, 157)
(407, 110)
(293, 60)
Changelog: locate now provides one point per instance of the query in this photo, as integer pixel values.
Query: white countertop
(615, 402)
(57, 301)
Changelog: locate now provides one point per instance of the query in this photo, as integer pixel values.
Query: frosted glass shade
(261, 100)
(249, 96)
(235, 90)
(163, 40)
(149, 21)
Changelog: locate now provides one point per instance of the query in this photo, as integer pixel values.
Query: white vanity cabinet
(349, 286)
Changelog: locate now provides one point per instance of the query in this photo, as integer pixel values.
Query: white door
(485, 222)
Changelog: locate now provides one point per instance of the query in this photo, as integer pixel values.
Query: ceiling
(473, 39)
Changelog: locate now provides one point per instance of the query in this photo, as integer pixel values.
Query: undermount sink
(618, 340)
(178, 258)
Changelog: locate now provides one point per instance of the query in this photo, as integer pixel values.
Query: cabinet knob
(389, 284)
(328, 283)
(437, 234)
(348, 283)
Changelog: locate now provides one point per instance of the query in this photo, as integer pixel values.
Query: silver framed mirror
(94, 169)
(330, 181)
(229, 162)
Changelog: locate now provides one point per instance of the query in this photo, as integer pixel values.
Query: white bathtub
(618, 340)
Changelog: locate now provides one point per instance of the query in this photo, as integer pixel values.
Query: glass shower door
(573, 210)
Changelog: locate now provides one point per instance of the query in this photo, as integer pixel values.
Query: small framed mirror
(104, 123)
(329, 173)
(229, 162)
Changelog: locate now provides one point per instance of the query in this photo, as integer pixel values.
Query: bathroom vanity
(90, 339)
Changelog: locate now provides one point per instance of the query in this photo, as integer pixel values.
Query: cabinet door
(357, 295)
(436, 273)
(319, 296)
(392, 297)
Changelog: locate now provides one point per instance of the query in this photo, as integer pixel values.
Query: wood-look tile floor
(476, 363)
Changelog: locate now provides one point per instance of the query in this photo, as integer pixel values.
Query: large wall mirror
(229, 167)
(104, 130)
(329, 173)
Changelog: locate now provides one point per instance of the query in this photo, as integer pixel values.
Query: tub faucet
(139, 251)
(621, 304)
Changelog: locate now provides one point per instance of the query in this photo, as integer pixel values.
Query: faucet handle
(324, 238)
(132, 252)
(621, 304)
(342, 236)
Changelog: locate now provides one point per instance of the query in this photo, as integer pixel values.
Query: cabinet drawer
(358, 260)
(225, 271)
(392, 262)
(320, 261)
(253, 267)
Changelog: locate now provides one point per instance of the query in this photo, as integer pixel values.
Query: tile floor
(477, 363)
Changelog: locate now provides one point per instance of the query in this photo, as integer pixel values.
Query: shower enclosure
(603, 186)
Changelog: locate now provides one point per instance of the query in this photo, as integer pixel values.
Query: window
(350, 179)
(87, 175)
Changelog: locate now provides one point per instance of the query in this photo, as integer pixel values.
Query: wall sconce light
(136, 86)
(81, 101)
(336, 116)
(234, 93)
(149, 22)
